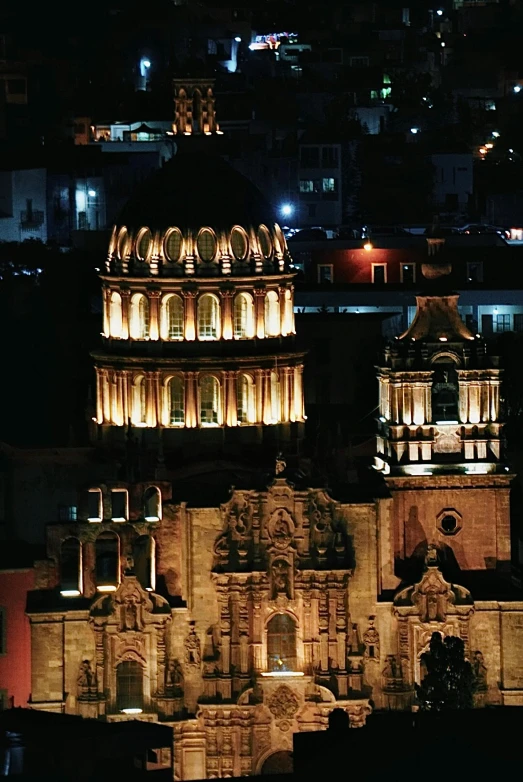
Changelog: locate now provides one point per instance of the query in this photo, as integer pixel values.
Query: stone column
(119, 400)
(126, 299)
(281, 299)
(106, 311)
(154, 319)
(298, 392)
(189, 297)
(150, 415)
(99, 396)
(106, 397)
(231, 418)
(226, 308)
(267, 413)
(259, 312)
(259, 395)
(191, 400)
(126, 407)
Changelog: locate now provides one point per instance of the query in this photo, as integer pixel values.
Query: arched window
(281, 643)
(172, 245)
(275, 398)
(272, 314)
(139, 401)
(239, 243)
(152, 504)
(176, 401)
(172, 317)
(265, 241)
(107, 570)
(129, 687)
(246, 400)
(144, 245)
(210, 401)
(243, 316)
(123, 244)
(144, 562)
(445, 393)
(115, 315)
(208, 317)
(206, 244)
(139, 320)
(289, 313)
(71, 568)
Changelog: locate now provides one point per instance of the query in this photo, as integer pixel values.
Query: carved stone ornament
(87, 685)
(281, 529)
(433, 598)
(283, 703)
(193, 652)
(480, 672)
(280, 576)
(371, 639)
(174, 678)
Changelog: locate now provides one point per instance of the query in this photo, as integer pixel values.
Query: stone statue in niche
(392, 673)
(239, 519)
(280, 578)
(87, 686)
(193, 652)
(281, 529)
(174, 678)
(480, 671)
(281, 464)
(371, 639)
(130, 614)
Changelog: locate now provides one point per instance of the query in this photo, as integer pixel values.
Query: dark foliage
(449, 681)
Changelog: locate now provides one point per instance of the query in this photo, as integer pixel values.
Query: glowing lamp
(152, 518)
(91, 193)
(517, 88)
(414, 131)
(383, 419)
(146, 63)
(281, 674)
(483, 150)
(287, 210)
(443, 44)
(495, 134)
(106, 588)
(238, 39)
(132, 711)
(70, 592)
(368, 246)
(439, 12)
(489, 146)
(442, 339)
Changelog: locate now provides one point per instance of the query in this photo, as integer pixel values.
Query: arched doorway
(278, 763)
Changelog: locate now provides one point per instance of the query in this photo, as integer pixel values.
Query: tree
(449, 682)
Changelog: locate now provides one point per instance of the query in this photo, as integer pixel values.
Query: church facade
(244, 621)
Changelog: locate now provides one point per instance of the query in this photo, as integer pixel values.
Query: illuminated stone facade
(241, 622)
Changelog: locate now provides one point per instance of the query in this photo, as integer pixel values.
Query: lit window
(107, 569)
(144, 562)
(209, 401)
(272, 314)
(176, 398)
(206, 244)
(71, 568)
(243, 316)
(309, 185)
(139, 401)
(275, 398)
(67, 513)
(139, 325)
(172, 317)
(265, 241)
(119, 505)
(94, 505)
(115, 315)
(129, 686)
(152, 504)
(246, 407)
(239, 244)
(144, 245)
(208, 317)
(281, 643)
(329, 184)
(501, 323)
(172, 245)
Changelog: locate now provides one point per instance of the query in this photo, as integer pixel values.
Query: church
(243, 620)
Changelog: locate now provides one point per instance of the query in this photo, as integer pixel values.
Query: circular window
(264, 239)
(449, 524)
(238, 244)
(206, 244)
(172, 245)
(123, 244)
(143, 244)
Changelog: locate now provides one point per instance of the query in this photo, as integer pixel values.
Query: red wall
(15, 665)
(356, 265)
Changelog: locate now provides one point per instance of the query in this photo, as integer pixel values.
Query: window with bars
(281, 643)
(208, 317)
(501, 323)
(173, 318)
(172, 246)
(129, 685)
(243, 316)
(139, 317)
(206, 244)
(209, 401)
(176, 402)
(246, 410)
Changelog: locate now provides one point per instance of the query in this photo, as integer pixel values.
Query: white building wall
(23, 201)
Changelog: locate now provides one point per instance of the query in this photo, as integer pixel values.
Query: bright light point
(238, 39)
(383, 419)
(368, 246)
(495, 134)
(91, 193)
(280, 674)
(252, 46)
(414, 130)
(152, 518)
(106, 588)
(442, 339)
(287, 210)
(517, 88)
(70, 593)
(482, 150)
(511, 151)
(489, 146)
(146, 63)
(443, 43)
(132, 711)
(148, 589)
(439, 12)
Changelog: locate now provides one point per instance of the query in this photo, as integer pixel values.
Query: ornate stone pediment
(131, 608)
(433, 598)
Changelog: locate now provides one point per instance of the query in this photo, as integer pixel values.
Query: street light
(286, 210)
(91, 193)
(238, 39)
(517, 88)
(414, 130)
(146, 63)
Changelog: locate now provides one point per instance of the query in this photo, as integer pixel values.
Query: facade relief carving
(371, 640)
(281, 529)
(283, 703)
(193, 651)
(87, 682)
(174, 679)
(480, 671)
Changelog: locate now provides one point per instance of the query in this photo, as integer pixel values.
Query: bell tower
(439, 440)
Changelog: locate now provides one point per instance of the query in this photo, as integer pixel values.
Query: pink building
(15, 637)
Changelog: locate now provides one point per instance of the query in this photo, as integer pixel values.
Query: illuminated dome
(197, 216)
